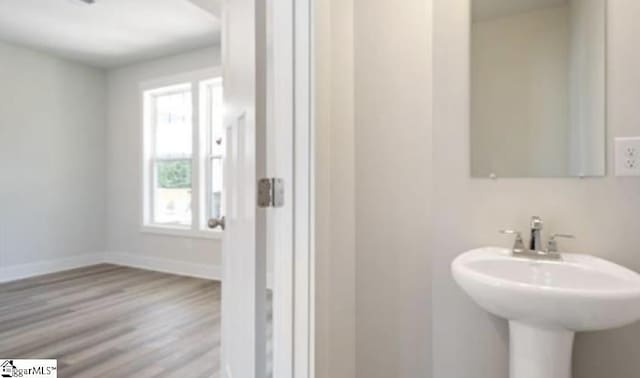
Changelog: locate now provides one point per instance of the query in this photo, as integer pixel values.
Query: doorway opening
(130, 238)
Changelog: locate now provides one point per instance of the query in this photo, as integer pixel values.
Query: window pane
(173, 124)
(216, 185)
(172, 192)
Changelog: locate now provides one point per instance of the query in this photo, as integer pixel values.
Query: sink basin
(578, 293)
(546, 302)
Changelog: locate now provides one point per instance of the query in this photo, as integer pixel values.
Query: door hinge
(270, 192)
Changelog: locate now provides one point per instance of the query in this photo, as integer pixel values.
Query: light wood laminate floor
(113, 321)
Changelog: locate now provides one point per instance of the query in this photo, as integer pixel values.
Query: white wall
(335, 190)
(124, 169)
(52, 183)
(520, 94)
(373, 120)
(602, 212)
(393, 181)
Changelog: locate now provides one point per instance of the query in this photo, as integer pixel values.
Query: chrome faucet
(535, 243)
(535, 249)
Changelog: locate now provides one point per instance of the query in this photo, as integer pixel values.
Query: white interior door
(244, 248)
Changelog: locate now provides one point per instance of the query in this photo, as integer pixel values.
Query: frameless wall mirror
(538, 97)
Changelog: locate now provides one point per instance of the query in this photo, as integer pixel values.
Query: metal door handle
(216, 222)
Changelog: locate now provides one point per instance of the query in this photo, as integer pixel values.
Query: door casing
(292, 51)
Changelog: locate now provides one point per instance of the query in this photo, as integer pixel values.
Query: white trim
(169, 89)
(181, 232)
(171, 266)
(196, 158)
(205, 144)
(193, 82)
(280, 147)
(187, 77)
(181, 268)
(39, 268)
(293, 225)
(157, 264)
(304, 174)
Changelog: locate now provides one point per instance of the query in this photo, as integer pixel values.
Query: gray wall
(602, 212)
(124, 170)
(393, 172)
(52, 182)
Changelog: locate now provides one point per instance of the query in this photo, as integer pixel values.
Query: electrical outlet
(628, 156)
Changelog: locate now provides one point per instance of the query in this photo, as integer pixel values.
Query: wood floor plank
(109, 320)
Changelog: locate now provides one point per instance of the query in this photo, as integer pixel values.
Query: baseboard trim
(171, 266)
(181, 268)
(22, 271)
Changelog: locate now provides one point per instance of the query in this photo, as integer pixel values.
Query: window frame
(208, 154)
(199, 174)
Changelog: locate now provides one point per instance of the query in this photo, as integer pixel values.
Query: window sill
(181, 232)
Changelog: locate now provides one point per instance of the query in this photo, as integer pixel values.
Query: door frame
(294, 345)
(294, 323)
(304, 184)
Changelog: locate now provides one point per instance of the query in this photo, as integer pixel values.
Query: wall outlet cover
(627, 156)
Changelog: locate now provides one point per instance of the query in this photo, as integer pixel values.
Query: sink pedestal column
(537, 352)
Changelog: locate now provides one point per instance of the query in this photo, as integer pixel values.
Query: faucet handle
(566, 236)
(553, 243)
(518, 245)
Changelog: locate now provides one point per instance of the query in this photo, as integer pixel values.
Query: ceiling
(490, 9)
(111, 33)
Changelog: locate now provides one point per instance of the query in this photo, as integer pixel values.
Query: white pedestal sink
(546, 302)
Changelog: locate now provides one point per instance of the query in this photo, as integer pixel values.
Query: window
(183, 156)
(212, 110)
